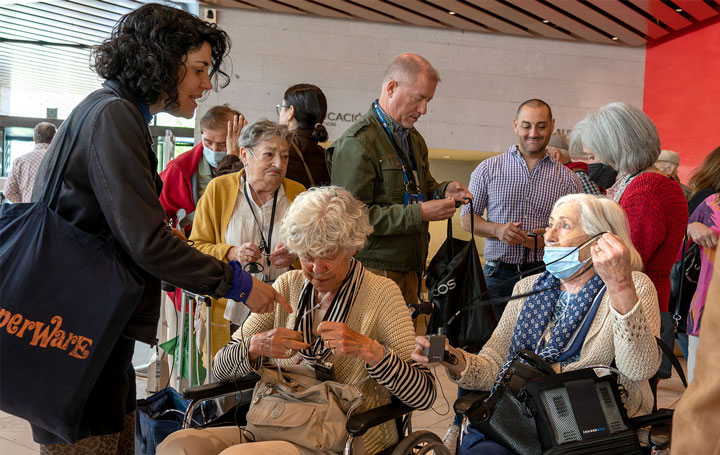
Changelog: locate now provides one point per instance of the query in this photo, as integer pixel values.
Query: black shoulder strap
(673, 359)
(56, 174)
(678, 302)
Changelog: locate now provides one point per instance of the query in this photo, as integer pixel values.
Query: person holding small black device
(592, 307)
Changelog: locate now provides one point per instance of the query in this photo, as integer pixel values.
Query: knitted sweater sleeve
(636, 351)
(409, 381)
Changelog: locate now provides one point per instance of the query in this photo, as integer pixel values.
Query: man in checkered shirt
(19, 184)
(518, 188)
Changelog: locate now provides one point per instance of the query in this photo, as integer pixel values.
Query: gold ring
(598, 249)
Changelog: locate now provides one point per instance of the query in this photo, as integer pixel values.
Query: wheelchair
(409, 442)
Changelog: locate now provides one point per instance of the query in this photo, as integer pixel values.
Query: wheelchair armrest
(656, 418)
(216, 389)
(359, 424)
(467, 403)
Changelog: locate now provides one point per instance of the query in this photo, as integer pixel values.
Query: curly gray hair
(618, 134)
(261, 131)
(323, 221)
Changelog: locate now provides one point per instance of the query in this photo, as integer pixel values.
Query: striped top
(511, 193)
(378, 312)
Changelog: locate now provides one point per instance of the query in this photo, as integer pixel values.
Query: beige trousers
(697, 417)
(225, 441)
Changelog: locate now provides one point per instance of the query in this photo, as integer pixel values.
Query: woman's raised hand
(245, 253)
(281, 257)
(611, 259)
(234, 129)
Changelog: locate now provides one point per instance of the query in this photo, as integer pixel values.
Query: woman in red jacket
(626, 139)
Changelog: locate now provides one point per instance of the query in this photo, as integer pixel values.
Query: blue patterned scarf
(537, 313)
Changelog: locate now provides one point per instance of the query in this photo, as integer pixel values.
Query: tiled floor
(16, 439)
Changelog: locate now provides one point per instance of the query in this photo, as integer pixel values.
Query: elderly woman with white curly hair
(341, 311)
(593, 307)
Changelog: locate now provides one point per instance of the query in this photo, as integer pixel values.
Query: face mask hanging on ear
(213, 157)
(563, 262)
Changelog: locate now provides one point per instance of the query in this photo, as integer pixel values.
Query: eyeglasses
(278, 107)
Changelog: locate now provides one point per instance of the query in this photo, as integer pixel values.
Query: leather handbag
(537, 411)
(290, 406)
(684, 277)
(504, 416)
(65, 297)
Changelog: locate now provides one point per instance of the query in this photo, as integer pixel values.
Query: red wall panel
(682, 92)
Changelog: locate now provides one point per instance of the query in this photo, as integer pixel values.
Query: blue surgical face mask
(212, 157)
(563, 262)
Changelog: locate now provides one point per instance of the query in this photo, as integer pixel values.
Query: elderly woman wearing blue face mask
(592, 272)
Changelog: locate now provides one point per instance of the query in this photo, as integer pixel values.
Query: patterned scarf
(337, 311)
(537, 313)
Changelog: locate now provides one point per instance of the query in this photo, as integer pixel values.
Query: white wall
(484, 76)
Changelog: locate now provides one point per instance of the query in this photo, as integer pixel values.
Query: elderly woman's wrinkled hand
(281, 257)
(245, 253)
(419, 356)
(611, 259)
(343, 340)
(234, 129)
(277, 343)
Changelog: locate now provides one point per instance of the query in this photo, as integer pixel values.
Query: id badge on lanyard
(410, 197)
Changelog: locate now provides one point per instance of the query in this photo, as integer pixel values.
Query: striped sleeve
(409, 381)
(232, 360)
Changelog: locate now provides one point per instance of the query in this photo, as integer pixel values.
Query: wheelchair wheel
(421, 443)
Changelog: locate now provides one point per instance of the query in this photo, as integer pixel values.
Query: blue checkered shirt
(511, 193)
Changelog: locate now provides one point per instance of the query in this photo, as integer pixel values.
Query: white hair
(600, 214)
(325, 220)
(620, 135)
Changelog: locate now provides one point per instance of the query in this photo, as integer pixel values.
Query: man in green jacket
(383, 161)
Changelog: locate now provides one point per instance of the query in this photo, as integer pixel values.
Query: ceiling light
(679, 10)
(447, 157)
(452, 13)
(545, 21)
(614, 38)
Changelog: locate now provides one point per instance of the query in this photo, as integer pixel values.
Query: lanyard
(264, 245)
(397, 151)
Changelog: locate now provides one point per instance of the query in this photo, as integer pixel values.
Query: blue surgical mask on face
(563, 262)
(213, 157)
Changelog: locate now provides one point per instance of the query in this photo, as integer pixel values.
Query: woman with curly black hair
(158, 59)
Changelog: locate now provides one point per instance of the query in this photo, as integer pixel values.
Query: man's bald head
(406, 67)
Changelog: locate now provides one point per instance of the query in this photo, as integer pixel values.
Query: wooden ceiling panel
(481, 17)
(662, 11)
(523, 20)
(591, 16)
(561, 20)
(453, 20)
(697, 9)
(630, 17)
(358, 11)
(400, 13)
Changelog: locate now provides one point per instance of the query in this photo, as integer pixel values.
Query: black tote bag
(65, 298)
(455, 280)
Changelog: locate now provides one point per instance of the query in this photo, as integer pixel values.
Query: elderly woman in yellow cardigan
(238, 218)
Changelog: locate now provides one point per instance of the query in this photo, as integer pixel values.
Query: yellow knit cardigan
(212, 216)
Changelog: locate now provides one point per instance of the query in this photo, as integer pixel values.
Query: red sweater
(177, 192)
(657, 211)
